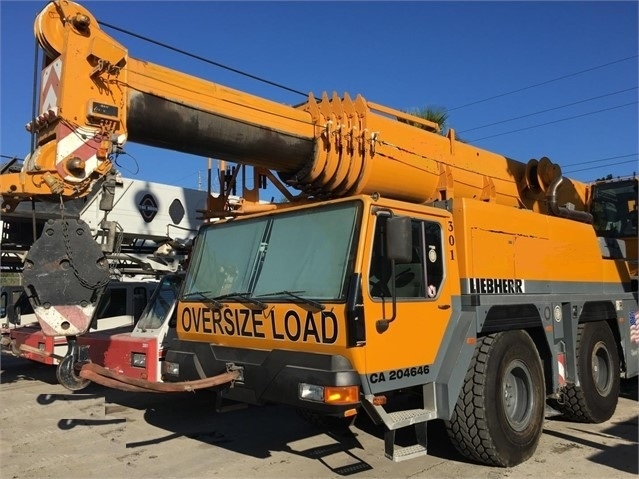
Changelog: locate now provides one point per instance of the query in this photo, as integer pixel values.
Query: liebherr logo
(148, 207)
(496, 286)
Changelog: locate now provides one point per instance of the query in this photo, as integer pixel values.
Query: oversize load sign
(291, 325)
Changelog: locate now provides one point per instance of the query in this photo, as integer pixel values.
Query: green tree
(436, 114)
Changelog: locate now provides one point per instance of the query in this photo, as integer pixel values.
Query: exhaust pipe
(563, 211)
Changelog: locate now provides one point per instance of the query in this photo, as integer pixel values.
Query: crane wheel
(498, 418)
(67, 376)
(595, 399)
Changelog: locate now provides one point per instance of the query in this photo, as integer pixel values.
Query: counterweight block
(65, 274)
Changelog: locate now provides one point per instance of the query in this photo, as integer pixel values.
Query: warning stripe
(71, 142)
(561, 368)
(50, 86)
(79, 142)
(64, 320)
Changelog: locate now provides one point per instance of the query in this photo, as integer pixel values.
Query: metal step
(398, 453)
(418, 418)
(399, 419)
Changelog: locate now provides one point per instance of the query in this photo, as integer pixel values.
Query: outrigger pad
(65, 273)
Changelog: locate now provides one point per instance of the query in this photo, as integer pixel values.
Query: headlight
(171, 368)
(138, 360)
(311, 392)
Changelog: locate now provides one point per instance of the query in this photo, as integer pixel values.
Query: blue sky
(574, 61)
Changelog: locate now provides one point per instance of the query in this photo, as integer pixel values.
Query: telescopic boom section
(95, 97)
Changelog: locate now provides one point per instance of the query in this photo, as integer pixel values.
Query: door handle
(443, 306)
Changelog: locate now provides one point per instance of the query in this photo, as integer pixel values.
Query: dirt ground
(50, 432)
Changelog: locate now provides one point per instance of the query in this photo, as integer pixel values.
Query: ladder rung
(397, 453)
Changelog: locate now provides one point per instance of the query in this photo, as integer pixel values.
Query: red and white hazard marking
(561, 368)
(50, 86)
(72, 141)
(69, 320)
(78, 142)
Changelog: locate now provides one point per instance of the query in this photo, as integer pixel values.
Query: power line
(600, 160)
(544, 83)
(205, 60)
(554, 121)
(599, 167)
(547, 110)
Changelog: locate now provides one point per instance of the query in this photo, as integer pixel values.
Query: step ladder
(418, 418)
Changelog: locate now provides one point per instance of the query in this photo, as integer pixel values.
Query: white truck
(144, 229)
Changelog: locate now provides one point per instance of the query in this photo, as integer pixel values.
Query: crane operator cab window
(422, 277)
(614, 209)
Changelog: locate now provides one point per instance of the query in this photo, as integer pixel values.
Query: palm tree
(436, 114)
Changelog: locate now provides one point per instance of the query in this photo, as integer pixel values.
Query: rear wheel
(498, 418)
(595, 399)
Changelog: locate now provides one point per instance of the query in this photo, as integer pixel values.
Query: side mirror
(399, 239)
(399, 249)
(13, 314)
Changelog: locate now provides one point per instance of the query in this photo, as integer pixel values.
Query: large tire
(595, 399)
(499, 415)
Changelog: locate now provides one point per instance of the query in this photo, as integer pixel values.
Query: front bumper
(267, 376)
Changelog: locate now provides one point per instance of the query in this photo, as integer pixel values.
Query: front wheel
(498, 418)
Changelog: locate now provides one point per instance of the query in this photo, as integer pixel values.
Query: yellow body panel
(480, 240)
(414, 338)
(497, 241)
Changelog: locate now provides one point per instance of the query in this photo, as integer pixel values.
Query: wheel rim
(601, 368)
(517, 395)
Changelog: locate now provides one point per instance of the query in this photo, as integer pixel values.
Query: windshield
(308, 252)
(161, 303)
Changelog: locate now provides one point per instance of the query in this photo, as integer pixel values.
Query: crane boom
(95, 97)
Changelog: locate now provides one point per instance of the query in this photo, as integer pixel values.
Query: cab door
(404, 336)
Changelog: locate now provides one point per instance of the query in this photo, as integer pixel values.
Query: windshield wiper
(245, 296)
(203, 295)
(293, 294)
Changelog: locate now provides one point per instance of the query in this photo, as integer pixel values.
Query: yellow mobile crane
(409, 261)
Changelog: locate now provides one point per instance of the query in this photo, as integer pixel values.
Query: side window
(3, 304)
(422, 277)
(139, 301)
(434, 258)
(113, 303)
(22, 303)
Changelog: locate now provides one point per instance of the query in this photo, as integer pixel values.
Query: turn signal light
(329, 394)
(341, 394)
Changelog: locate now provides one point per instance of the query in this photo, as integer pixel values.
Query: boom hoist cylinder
(95, 97)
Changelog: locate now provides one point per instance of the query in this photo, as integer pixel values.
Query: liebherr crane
(410, 261)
